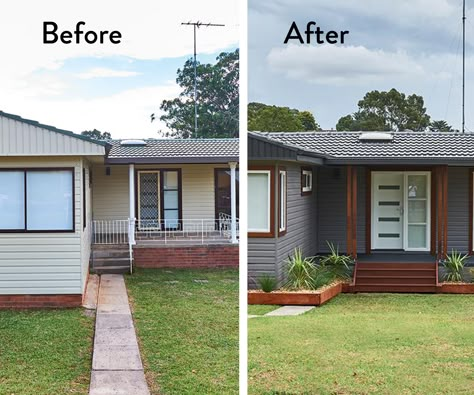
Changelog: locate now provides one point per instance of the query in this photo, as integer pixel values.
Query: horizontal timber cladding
(201, 256)
(302, 221)
(39, 301)
(43, 263)
(458, 209)
(261, 258)
(111, 194)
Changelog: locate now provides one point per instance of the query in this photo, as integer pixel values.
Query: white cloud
(330, 64)
(102, 72)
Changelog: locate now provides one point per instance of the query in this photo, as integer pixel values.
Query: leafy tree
(217, 98)
(267, 118)
(388, 111)
(441, 126)
(97, 134)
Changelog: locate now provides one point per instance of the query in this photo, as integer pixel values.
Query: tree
(97, 134)
(217, 98)
(267, 118)
(388, 111)
(441, 126)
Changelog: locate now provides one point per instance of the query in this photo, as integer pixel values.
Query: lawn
(187, 323)
(45, 352)
(367, 344)
(260, 309)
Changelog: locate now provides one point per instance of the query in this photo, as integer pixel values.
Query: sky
(414, 46)
(112, 88)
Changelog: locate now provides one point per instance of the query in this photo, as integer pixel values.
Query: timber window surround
(261, 181)
(282, 200)
(306, 180)
(37, 200)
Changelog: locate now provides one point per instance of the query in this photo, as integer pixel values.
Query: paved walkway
(116, 364)
(285, 311)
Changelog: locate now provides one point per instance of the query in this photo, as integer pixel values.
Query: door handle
(401, 210)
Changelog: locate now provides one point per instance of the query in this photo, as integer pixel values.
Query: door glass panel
(170, 200)
(416, 186)
(170, 180)
(149, 199)
(223, 203)
(416, 236)
(416, 211)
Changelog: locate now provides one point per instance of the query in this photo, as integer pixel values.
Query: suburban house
(397, 202)
(69, 204)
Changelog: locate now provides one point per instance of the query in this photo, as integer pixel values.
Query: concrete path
(116, 364)
(289, 310)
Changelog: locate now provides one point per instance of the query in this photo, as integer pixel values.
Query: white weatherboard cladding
(110, 193)
(43, 263)
(23, 139)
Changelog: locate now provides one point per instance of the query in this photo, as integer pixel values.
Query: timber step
(395, 277)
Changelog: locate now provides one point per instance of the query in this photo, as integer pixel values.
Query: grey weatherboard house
(398, 202)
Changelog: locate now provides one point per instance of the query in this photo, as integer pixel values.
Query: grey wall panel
(331, 195)
(458, 209)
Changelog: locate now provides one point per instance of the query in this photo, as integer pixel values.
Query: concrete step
(111, 269)
(111, 261)
(110, 253)
(110, 247)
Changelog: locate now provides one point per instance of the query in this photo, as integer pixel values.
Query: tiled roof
(175, 149)
(404, 145)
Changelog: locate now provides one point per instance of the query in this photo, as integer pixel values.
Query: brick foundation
(201, 256)
(39, 301)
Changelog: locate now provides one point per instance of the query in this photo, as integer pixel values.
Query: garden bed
(456, 288)
(299, 298)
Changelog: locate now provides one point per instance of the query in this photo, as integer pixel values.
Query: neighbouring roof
(52, 128)
(405, 147)
(175, 151)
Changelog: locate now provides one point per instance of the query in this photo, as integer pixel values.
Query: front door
(388, 210)
(400, 210)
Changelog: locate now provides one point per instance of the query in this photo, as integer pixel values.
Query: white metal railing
(194, 231)
(110, 231)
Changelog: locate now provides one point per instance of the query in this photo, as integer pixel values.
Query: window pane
(417, 236)
(170, 200)
(258, 202)
(49, 200)
(170, 179)
(12, 200)
(416, 211)
(417, 186)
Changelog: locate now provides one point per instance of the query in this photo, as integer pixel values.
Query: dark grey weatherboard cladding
(261, 257)
(458, 209)
(302, 220)
(331, 207)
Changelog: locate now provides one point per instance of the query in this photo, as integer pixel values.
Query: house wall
(111, 193)
(266, 256)
(24, 139)
(86, 231)
(458, 209)
(43, 263)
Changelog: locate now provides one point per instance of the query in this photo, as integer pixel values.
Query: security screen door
(149, 199)
(400, 210)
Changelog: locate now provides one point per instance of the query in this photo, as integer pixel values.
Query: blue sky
(410, 45)
(109, 87)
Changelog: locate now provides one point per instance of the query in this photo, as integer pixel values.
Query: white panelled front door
(401, 210)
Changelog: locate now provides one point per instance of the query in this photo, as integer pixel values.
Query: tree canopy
(217, 98)
(265, 118)
(441, 126)
(97, 134)
(387, 111)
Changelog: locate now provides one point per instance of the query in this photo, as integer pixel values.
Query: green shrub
(300, 271)
(267, 283)
(336, 264)
(454, 266)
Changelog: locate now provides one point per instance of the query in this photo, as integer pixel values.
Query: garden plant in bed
(455, 274)
(310, 280)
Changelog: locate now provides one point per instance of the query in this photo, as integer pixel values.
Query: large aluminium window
(37, 200)
(260, 203)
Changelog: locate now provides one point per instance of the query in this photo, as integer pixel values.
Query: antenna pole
(197, 25)
(463, 61)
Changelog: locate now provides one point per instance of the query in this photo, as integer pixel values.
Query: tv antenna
(463, 61)
(197, 25)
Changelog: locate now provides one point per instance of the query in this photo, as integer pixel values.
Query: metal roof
(175, 151)
(346, 147)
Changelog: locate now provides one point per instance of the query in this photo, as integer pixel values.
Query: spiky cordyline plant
(300, 270)
(335, 263)
(454, 266)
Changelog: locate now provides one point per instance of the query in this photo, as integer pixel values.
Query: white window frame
(307, 175)
(269, 177)
(282, 183)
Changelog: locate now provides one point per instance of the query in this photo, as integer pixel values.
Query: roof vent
(375, 136)
(133, 142)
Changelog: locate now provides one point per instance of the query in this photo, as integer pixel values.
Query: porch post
(233, 203)
(131, 199)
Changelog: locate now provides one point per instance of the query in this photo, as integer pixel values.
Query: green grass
(45, 352)
(367, 344)
(260, 309)
(187, 330)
